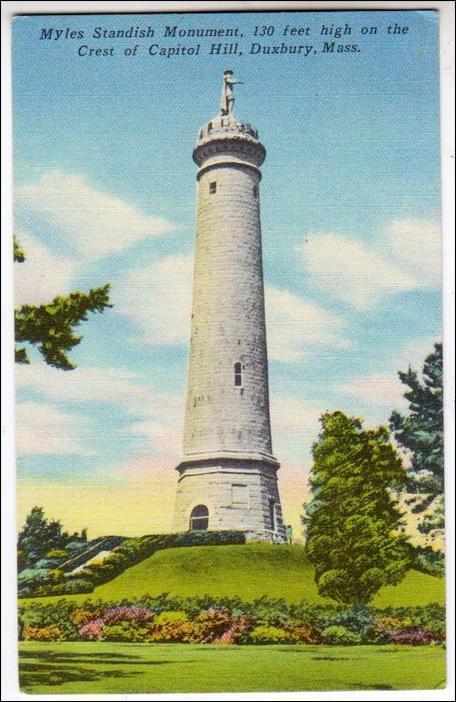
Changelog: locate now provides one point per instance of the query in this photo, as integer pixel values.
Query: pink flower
(92, 631)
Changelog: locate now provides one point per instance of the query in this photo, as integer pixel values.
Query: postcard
(229, 352)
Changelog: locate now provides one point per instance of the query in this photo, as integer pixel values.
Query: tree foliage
(19, 255)
(420, 431)
(354, 529)
(51, 327)
(40, 536)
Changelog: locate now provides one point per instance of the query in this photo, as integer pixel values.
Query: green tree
(37, 537)
(51, 327)
(19, 255)
(420, 431)
(354, 529)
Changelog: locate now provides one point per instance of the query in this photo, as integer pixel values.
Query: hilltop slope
(247, 571)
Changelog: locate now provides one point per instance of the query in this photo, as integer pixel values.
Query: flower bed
(229, 621)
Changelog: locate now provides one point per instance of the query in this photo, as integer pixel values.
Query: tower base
(230, 494)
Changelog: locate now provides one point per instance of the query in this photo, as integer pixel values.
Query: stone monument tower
(228, 474)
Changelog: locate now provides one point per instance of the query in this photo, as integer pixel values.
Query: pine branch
(51, 326)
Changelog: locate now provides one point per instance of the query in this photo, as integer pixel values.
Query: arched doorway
(199, 518)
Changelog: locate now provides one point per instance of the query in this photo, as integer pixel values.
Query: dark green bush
(428, 561)
(72, 587)
(357, 619)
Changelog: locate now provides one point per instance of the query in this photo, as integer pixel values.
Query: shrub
(55, 576)
(127, 631)
(208, 538)
(81, 574)
(171, 616)
(57, 553)
(310, 615)
(340, 635)
(357, 619)
(271, 612)
(304, 634)
(269, 635)
(238, 631)
(46, 633)
(83, 616)
(414, 636)
(131, 613)
(75, 546)
(118, 561)
(382, 627)
(71, 586)
(429, 561)
(93, 630)
(210, 625)
(206, 627)
(100, 573)
(30, 575)
(172, 632)
(45, 564)
(231, 621)
(56, 614)
(431, 617)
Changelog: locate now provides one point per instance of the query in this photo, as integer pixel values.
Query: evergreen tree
(51, 326)
(19, 255)
(37, 537)
(353, 526)
(421, 430)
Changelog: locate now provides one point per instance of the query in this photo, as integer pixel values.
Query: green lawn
(75, 668)
(248, 571)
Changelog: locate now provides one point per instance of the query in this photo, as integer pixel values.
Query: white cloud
(382, 389)
(156, 417)
(297, 329)
(350, 271)
(94, 222)
(407, 257)
(158, 298)
(44, 429)
(414, 352)
(43, 275)
(417, 244)
(385, 389)
(83, 384)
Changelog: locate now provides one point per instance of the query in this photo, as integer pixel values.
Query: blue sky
(104, 192)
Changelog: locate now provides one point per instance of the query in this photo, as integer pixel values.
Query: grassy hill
(248, 571)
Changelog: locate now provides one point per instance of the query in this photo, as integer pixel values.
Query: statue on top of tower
(227, 100)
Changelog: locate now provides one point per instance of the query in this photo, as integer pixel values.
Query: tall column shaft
(228, 318)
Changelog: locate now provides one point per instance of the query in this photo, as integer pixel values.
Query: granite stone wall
(238, 496)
